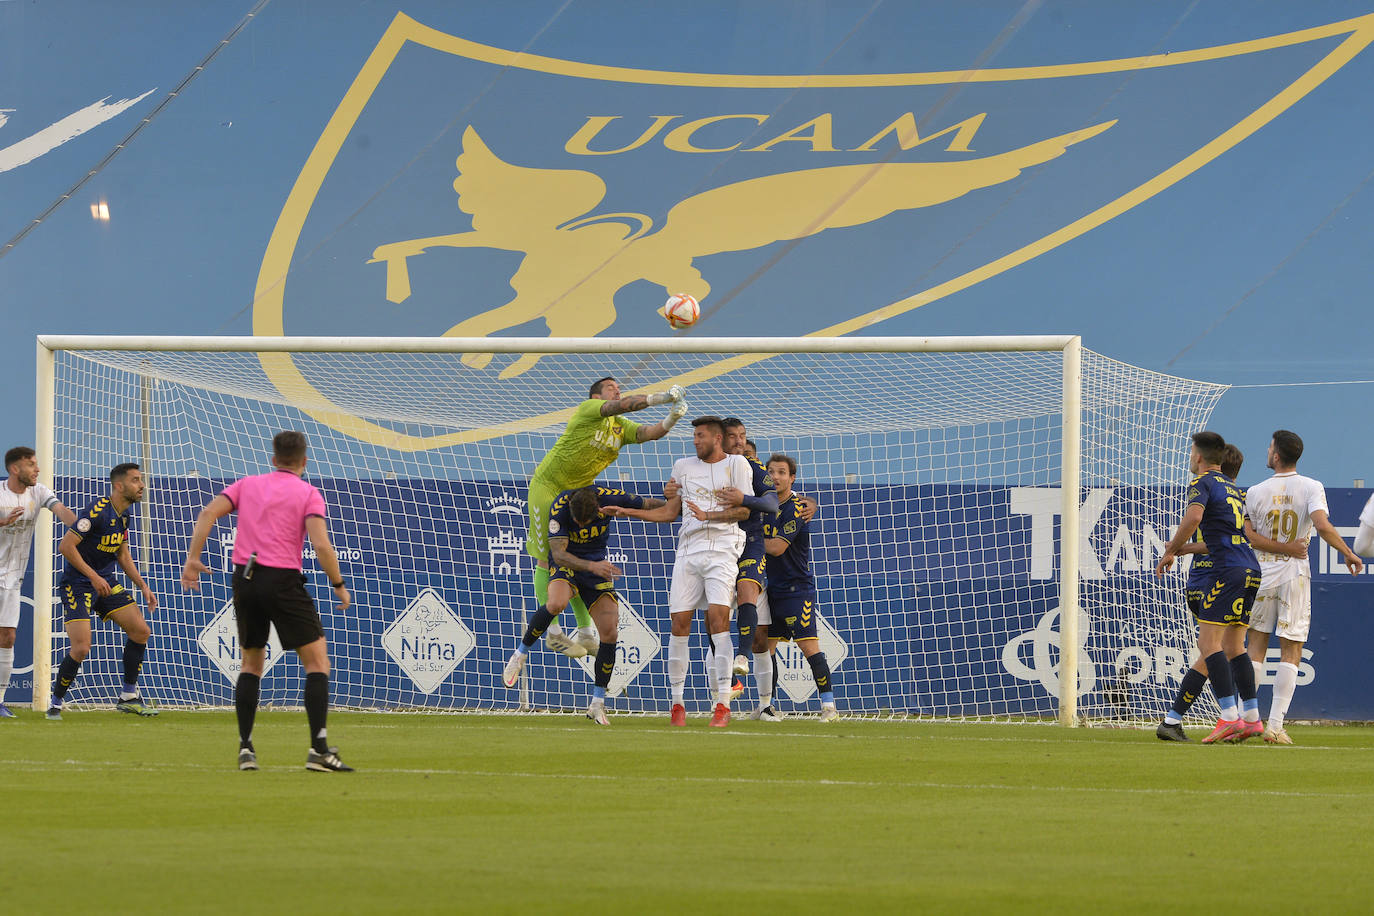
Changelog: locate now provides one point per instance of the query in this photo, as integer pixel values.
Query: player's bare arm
(318, 533)
(649, 433)
(1192, 517)
(558, 552)
(1296, 549)
(806, 507)
(776, 547)
(736, 514)
(125, 559)
(666, 512)
(632, 402)
(64, 515)
(1330, 535)
(214, 510)
(67, 547)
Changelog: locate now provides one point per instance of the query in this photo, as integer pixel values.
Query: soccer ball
(681, 311)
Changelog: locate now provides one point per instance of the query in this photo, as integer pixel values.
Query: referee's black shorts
(274, 596)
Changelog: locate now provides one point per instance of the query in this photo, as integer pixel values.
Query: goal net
(939, 547)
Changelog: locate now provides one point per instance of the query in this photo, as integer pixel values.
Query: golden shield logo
(567, 241)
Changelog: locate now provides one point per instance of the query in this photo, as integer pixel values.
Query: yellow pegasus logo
(575, 261)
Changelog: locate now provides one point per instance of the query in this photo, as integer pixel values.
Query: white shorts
(703, 578)
(1284, 609)
(765, 612)
(9, 607)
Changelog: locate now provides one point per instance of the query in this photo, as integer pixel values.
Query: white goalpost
(990, 512)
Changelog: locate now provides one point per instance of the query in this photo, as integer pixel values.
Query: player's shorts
(274, 597)
(1194, 598)
(1230, 596)
(9, 607)
(753, 563)
(794, 617)
(702, 578)
(79, 600)
(586, 585)
(1284, 609)
(541, 497)
(765, 609)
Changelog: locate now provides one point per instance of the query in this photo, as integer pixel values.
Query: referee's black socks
(317, 708)
(246, 705)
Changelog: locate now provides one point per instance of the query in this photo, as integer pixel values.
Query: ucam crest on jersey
(794, 671)
(567, 196)
(428, 640)
(637, 647)
(220, 641)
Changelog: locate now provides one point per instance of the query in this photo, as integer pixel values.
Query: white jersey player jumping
(1286, 508)
(709, 544)
(21, 498)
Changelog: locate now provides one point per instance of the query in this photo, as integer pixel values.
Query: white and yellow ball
(681, 311)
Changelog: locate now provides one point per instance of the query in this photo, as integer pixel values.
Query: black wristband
(340, 584)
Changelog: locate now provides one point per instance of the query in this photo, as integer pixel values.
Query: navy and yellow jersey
(790, 572)
(1201, 568)
(587, 542)
(102, 531)
(763, 485)
(1223, 521)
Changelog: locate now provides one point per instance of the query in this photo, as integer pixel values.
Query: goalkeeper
(587, 447)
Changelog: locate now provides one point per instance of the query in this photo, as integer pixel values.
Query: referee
(276, 512)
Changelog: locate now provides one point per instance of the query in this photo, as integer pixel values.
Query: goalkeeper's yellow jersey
(586, 448)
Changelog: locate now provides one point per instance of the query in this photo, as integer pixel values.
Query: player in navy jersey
(753, 559)
(1216, 507)
(95, 543)
(579, 528)
(792, 595)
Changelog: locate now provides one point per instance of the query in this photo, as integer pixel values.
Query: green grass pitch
(108, 813)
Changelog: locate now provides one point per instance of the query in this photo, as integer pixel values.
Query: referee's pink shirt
(272, 511)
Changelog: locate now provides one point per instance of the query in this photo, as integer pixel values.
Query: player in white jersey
(21, 498)
(1286, 507)
(708, 549)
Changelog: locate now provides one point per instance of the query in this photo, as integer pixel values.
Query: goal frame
(1069, 345)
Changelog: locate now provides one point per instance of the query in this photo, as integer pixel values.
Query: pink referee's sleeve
(231, 492)
(314, 505)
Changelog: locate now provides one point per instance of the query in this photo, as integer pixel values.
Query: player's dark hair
(1231, 460)
(732, 423)
(584, 504)
(1210, 446)
(595, 390)
(710, 420)
(752, 444)
(118, 471)
(1288, 446)
(784, 459)
(18, 453)
(288, 447)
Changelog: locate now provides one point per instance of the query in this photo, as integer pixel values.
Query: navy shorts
(1228, 597)
(79, 600)
(587, 586)
(794, 616)
(753, 563)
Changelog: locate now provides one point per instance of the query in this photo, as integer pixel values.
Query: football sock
(584, 620)
(820, 670)
(133, 663)
(1244, 674)
(763, 678)
(605, 664)
(66, 677)
(1188, 692)
(773, 656)
(317, 708)
(677, 666)
(246, 691)
(538, 624)
(6, 666)
(745, 621)
(1285, 682)
(1259, 674)
(1223, 685)
(541, 584)
(723, 659)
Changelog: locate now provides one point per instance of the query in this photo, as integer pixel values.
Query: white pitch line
(108, 765)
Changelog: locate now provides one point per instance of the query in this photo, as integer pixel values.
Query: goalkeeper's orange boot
(678, 716)
(1223, 730)
(721, 717)
(1247, 730)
